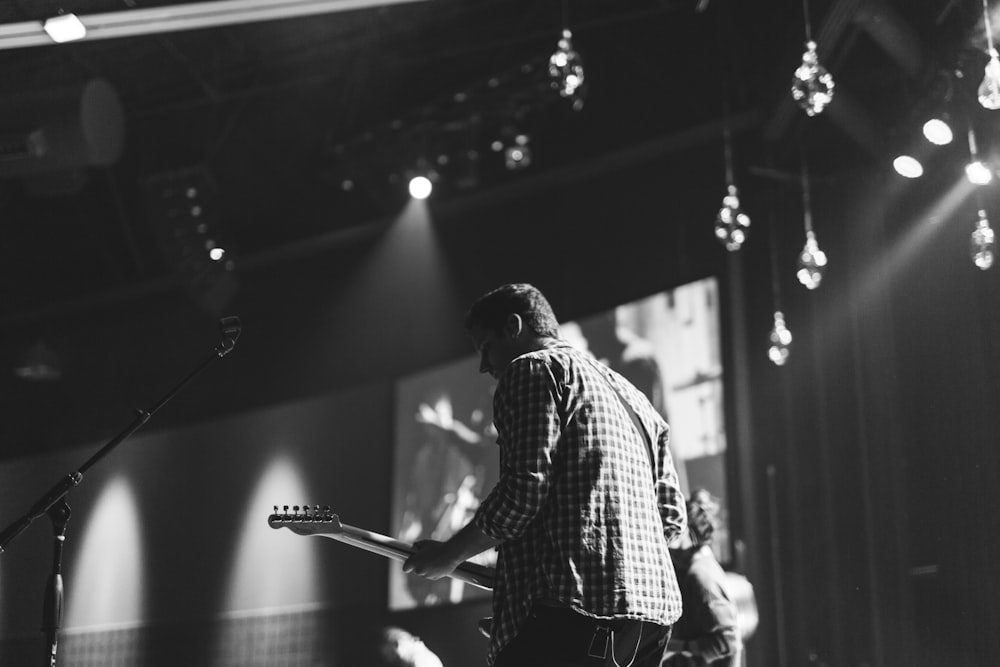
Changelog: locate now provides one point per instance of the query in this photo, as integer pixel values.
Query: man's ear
(513, 326)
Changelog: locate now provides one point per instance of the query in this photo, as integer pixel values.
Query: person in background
(585, 507)
(399, 648)
(708, 630)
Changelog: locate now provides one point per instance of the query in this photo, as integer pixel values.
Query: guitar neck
(471, 573)
(369, 541)
(383, 545)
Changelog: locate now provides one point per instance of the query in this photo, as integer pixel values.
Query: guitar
(324, 523)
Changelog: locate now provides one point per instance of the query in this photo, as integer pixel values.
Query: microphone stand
(53, 502)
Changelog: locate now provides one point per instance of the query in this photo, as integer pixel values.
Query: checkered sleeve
(670, 500)
(527, 420)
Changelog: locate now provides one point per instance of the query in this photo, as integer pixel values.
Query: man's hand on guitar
(431, 560)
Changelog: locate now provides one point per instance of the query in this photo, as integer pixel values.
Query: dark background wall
(863, 468)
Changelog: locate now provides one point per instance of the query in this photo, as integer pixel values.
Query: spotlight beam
(865, 289)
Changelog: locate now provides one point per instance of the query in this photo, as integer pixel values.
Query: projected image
(446, 460)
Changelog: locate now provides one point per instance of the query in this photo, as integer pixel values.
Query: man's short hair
(491, 310)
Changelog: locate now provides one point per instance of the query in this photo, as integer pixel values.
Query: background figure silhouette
(443, 490)
(399, 648)
(707, 632)
(626, 352)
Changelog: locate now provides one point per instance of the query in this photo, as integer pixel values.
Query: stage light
(938, 132)
(132, 21)
(64, 28)
(978, 173)
(518, 155)
(421, 187)
(908, 166)
(185, 211)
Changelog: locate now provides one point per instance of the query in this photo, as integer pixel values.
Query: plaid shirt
(581, 520)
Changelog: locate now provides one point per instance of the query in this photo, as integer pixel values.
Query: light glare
(978, 173)
(420, 187)
(908, 166)
(938, 132)
(65, 28)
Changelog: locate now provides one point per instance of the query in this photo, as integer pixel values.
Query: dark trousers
(558, 637)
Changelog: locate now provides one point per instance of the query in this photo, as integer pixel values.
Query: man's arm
(670, 499)
(439, 559)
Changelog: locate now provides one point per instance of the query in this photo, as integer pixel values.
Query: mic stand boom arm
(54, 504)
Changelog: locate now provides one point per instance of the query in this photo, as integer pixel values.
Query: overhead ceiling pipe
(895, 35)
(855, 122)
(183, 16)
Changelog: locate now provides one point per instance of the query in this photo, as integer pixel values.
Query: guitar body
(324, 523)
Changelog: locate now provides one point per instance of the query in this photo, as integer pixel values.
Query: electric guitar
(314, 520)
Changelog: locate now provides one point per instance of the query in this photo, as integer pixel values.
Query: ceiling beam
(189, 16)
(895, 35)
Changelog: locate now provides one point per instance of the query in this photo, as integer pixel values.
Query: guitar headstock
(305, 520)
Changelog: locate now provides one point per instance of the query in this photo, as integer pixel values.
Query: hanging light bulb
(566, 70)
(812, 86)
(812, 263)
(982, 242)
(781, 337)
(731, 223)
(989, 89)
(812, 260)
(781, 340)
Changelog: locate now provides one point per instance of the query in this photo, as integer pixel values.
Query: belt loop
(599, 643)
